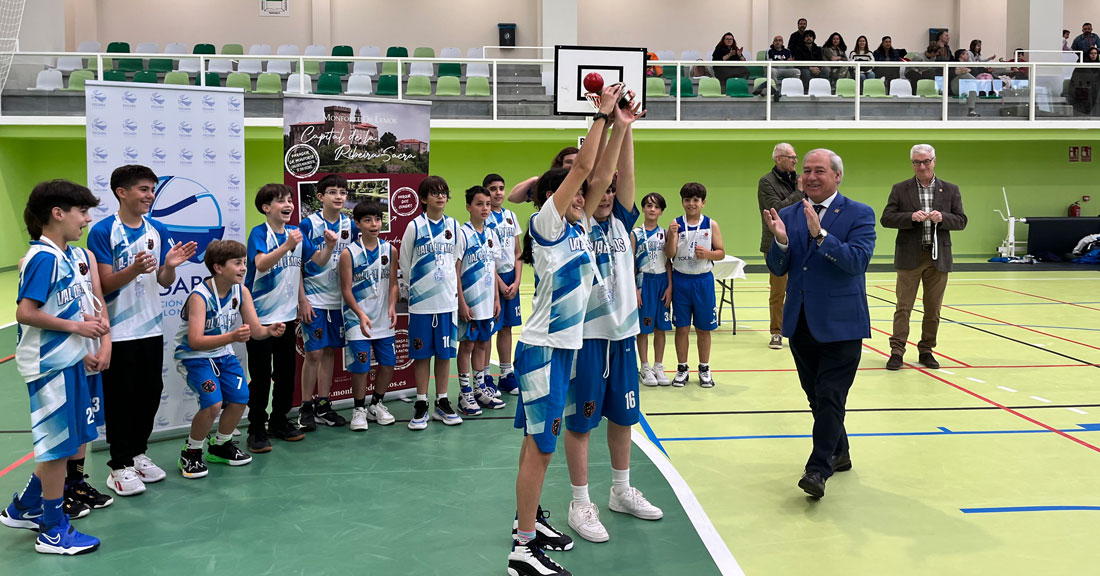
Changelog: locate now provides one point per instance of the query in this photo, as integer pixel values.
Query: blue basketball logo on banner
(128, 98)
(209, 129)
(185, 128)
(158, 127)
(100, 154)
(185, 154)
(98, 98)
(209, 155)
(99, 127)
(208, 102)
(130, 153)
(234, 129)
(234, 102)
(159, 153)
(157, 99)
(184, 102)
(190, 211)
(129, 126)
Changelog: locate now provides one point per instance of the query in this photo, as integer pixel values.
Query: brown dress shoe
(928, 360)
(894, 363)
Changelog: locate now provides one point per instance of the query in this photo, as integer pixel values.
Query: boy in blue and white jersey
(319, 304)
(368, 280)
(560, 251)
(428, 261)
(605, 383)
(53, 342)
(478, 302)
(137, 257)
(509, 277)
(204, 355)
(653, 274)
(276, 251)
(694, 243)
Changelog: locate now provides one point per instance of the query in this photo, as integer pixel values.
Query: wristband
(601, 116)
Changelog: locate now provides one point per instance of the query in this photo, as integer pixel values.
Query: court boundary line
(857, 410)
(716, 546)
(17, 463)
(1041, 297)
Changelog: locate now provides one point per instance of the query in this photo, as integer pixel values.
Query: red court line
(1002, 407)
(6, 358)
(1010, 324)
(914, 344)
(1040, 297)
(759, 370)
(16, 464)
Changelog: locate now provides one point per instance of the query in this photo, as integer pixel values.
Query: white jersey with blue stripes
(322, 283)
(649, 250)
(689, 237)
(55, 278)
(370, 285)
(135, 309)
(221, 315)
(612, 310)
(506, 224)
(479, 251)
(428, 263)
(563, 281)
(275, 290)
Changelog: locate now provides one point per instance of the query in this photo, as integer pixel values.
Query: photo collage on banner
(193, 139)
(381, 148)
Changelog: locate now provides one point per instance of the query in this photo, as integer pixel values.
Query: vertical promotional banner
(381, 148)
(193, 139)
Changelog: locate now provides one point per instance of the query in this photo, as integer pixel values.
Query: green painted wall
(1031, 164)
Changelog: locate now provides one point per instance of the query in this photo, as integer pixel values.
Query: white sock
(441, 396)
(580, 495)
(505, 368)
(220, 438)
(421, 397)
(479, 377)
(463, 380)
(620, 481)
(645, 366)
(193, 444)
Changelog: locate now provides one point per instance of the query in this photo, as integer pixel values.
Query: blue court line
(1028, 509)
(652, 437)
(941, 431)
(887, 320)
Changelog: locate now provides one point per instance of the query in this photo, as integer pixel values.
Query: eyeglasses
(440, 193)
(927, 162)
(787, 157)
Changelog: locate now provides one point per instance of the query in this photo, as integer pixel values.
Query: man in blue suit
(823, 244)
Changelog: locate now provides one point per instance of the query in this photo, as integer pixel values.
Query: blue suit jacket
(827, 281)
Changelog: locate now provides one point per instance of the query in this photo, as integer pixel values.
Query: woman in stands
(1084, 85)
(835, 50)
(887, 53)
(862, 53)
(975, 55)
(727, 51)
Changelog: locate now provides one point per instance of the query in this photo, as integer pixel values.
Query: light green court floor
(987, 465)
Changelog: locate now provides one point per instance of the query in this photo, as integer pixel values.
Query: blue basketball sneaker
(484, 396)
(508, 384)
(16, 516)
(467, 403)
(64, 539)
(490, 385)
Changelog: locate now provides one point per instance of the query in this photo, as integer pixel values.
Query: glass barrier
(50, 84)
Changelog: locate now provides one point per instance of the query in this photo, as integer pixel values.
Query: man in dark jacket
(925, 210)
(808, 50)
(777, 189)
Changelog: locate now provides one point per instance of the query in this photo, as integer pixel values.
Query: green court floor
(985, 466)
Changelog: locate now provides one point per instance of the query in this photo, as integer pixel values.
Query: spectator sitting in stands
(1084, 86)
(862, 53)
(727, 50)
(1017, 73)
(779, 53)
(1086, 39)
(975, 55)
(796, 36)
(943, 53)
(809, 52)
(960, 73)
(652, 70)
(931, 54)
(835, 50)
(887, 53)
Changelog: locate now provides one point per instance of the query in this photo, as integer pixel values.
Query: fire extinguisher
(1075, 209)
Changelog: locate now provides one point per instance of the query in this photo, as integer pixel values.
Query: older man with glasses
(777, 189)
(925, 210)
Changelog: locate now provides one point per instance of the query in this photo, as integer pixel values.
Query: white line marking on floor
(975, 380)
(8, 325)
(1040, 345)
(719, 552)
(947, 371)
(743, 326)
(1037, 398)
(1006, 389)
(1076, 410)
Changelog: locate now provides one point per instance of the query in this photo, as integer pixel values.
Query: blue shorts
(215, 379)
(654, 313)
(326, 330)
(63, 413)
(432, 336)
(95, 391)
(592, 397)
(476, 330)
(509, 309)
(543, 377)
(359, 353)
(693, 297)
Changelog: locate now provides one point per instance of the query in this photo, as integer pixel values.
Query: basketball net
(11, 17)
(594, 99)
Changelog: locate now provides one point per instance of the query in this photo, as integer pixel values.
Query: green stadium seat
(114, 75)
(339, 67)
(387, 85)
(389, 68)
(180, 78)
(160, 64)
(875, 88)
(448, 86)
(203, 49)
(268, 83)
(125, 64)
(77, 79)
(239, 80)
(330, 84)
(419, 86)
(758, 81)
(846, 87)
(710, 88)
(655, 87)
(737, 88)
(687, 90)
(146, 77)
(477, 86)
(927, 88)
(212, 79)
(233, 49)
(397, 52)
(450, 69)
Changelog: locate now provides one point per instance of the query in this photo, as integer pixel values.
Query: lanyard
(376, 267)
(89, 296)
(694, 235)
(125, 237)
